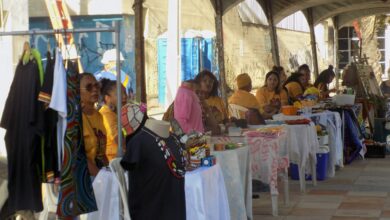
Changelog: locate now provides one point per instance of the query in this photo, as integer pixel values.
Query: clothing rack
(116, 30)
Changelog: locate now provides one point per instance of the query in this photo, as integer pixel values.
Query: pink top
(187, 110)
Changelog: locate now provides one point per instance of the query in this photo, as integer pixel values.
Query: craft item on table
(289, 110)
(274, 122)
(230, 146)
(219, 147)
(209, 161)
(298, 121)
(270, 132)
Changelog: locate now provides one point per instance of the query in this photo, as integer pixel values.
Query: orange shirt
(265, 97)
(244, 99)
(294, 90)
(111, 126)
(217, 102)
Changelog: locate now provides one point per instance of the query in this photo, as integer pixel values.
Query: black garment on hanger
(154, 193)
(23, 120)
(50, 163)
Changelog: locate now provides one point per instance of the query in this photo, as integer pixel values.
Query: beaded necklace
(177, 171)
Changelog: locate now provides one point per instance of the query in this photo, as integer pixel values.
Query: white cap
(110, 55)
(69, 52)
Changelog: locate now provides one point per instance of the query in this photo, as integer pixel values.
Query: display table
(332, 122)
(269, 157)
(206, 196)
(302, 143)
(237, 174)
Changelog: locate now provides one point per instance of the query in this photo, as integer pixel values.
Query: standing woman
(270, 97)
(108, 111)
(323, 81)
(93, 128)
(209, 87)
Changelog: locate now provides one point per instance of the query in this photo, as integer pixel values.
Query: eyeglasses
(89, 87)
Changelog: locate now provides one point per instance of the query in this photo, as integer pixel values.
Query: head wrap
(243, 80)
(132, 116)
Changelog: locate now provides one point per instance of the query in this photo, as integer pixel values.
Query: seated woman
(294, 86)
(305, 71)
(109, 113)
(242, 96)
(323, 80)
(209, 88)
(270, 96)
(94, 132)
(282, 74)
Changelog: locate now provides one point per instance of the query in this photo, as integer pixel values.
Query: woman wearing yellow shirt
(94, 132)
(209, 88)
(270, 96)
(294, 86)
(323, 81)
(108, 111)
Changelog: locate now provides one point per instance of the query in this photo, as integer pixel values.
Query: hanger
(26, 55)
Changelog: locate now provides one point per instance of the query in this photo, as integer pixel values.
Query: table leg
(313, 171)
(286, 188)
(302, 180)
(274, 199)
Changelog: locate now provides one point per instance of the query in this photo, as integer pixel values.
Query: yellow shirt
(217, 103)
(244, 99)
(95, 138)
(111, 126)
(294, 90)
(265, 97)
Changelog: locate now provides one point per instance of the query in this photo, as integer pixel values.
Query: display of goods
(271, 132)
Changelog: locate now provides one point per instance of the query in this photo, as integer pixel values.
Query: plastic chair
(237, 111)
(119, 173)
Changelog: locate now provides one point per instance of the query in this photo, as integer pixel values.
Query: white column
(173, 52)
(10, 51)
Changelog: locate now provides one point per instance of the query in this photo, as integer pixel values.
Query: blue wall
(191, 63)
(91, 46)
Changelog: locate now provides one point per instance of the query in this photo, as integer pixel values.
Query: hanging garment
(155, 192)
(76, 194)
(58, 103)
(50, 159)
(23, 120)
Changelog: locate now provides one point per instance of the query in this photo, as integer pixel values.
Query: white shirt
(58, 103)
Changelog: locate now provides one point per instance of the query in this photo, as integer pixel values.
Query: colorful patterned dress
(76, 194)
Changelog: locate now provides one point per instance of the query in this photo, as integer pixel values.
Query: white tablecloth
(107, 197)
(302, 142)
(236, 171)
(206, 197)
(333, 124)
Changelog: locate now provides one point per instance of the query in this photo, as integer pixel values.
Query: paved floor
(358, 191)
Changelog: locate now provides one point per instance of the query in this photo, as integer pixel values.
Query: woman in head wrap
(242, 95)
(323, 81)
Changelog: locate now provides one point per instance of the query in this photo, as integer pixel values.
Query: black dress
(49, 165)
(23, 120)
(154, 192)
